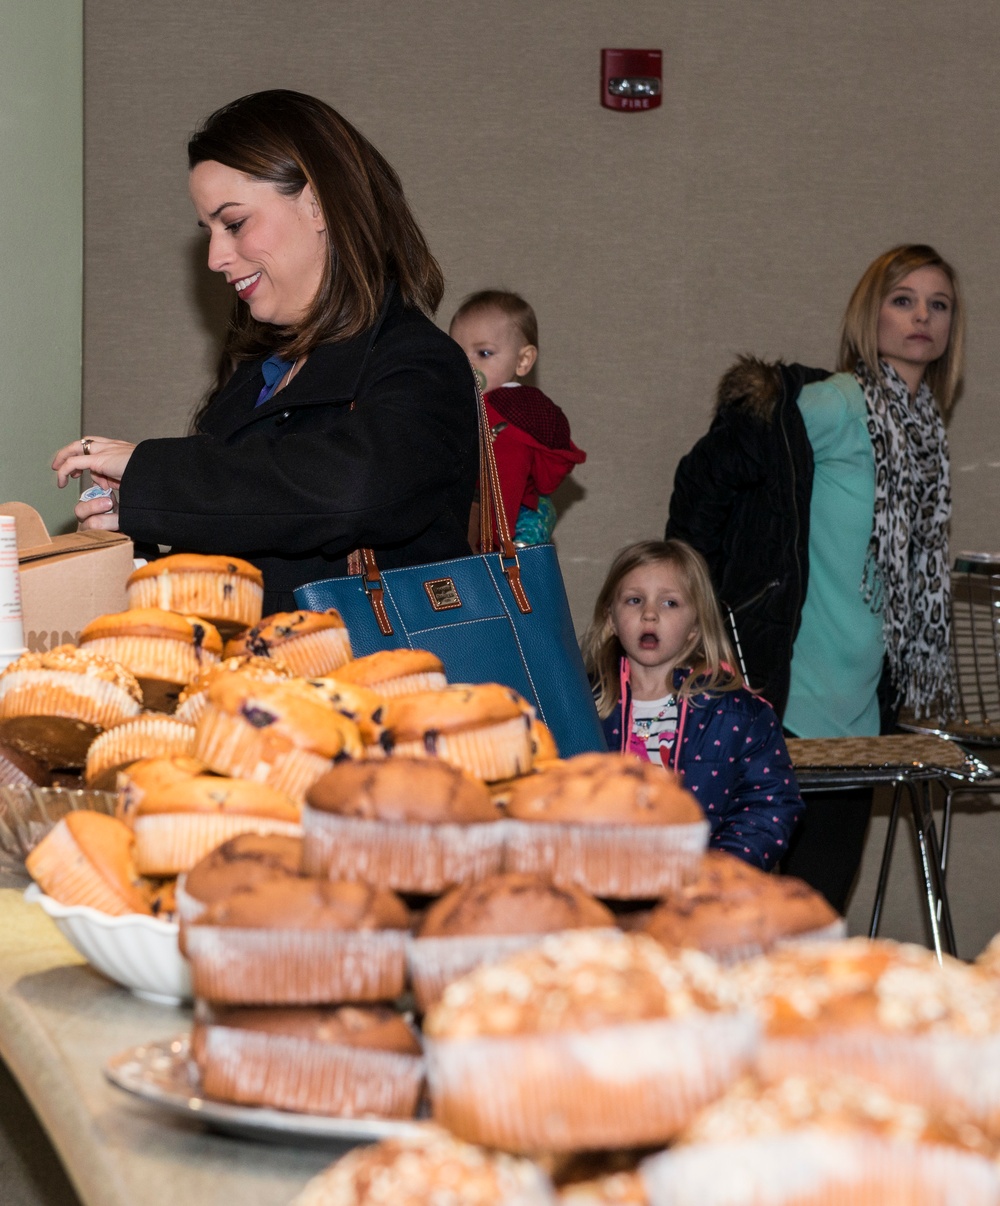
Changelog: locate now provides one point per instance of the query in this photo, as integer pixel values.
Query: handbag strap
(494, 536)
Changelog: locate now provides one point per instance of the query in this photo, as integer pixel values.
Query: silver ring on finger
(85, 444)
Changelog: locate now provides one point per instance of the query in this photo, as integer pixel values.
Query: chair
(913, 763)
(975, 639)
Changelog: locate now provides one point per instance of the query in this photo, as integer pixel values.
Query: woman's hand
(106, 460)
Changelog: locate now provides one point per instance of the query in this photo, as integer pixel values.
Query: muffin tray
(164, 1075)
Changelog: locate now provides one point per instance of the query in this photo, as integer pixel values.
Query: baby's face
(495, 345)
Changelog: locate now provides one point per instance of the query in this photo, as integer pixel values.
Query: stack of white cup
(11, 619)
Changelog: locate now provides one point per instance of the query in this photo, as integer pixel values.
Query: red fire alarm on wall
(631, 80)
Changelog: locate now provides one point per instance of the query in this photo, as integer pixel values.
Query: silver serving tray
(165, 1075)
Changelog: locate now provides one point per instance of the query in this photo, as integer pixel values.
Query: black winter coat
(741, 498)
(374, 442)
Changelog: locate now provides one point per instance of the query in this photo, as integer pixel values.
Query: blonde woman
(822, 503)
(667, 692)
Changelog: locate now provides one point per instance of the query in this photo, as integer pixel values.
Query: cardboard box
(66, 581)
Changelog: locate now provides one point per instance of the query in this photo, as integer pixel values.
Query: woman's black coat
(372, 443)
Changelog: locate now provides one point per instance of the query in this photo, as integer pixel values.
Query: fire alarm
(631, 80)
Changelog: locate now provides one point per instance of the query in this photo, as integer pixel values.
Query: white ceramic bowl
(137, 951)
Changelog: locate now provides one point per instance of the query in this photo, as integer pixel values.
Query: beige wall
(793, 145)
(41, 225)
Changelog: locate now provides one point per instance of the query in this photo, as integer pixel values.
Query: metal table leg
(883, 874)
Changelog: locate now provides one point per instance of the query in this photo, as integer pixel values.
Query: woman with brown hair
(822, 503)
(350, 419)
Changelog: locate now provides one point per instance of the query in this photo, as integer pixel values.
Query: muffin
(589, 1040)
(805, 1140)
(483, 729)
(884, 1011)
(618, 827)
(395, 672)
(360, 704)
(53, 705)
(226, 591)
(735, 911)
(279, 733)
(427, 1167)
(164, 650)
(350, 1060)
(308, 643)
(245, 860)
(299, 942)
(86, 859)
(179, 824)
(406, 824)
(485, 921)
(151, 774)
(151, 735)
(191, 701)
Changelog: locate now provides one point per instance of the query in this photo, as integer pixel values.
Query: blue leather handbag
(497, 616)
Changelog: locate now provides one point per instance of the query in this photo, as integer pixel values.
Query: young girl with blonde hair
(667, 691)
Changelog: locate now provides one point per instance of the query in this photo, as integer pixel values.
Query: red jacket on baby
(532, 444)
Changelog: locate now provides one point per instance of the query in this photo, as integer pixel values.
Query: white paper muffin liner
(292, 1072)
(232, 599)
(932, 1069)
(408, 684)
(434, 963)
(489, 751)
(231, 746)
(187, 908)
(620, 1085)
(151, 736)
(165, 659)
(811, 1167)
(402, 855)
(621, 862)
(235, 966)
(313, 654)
(168, 843)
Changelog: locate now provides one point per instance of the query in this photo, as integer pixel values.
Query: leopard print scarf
(906, 574)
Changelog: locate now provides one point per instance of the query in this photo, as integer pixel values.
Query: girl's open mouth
(648, 640)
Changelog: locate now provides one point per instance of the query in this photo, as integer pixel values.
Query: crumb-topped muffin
(589, 1040)
(409, 824)
(736, 911)
(804, 1140)
(308, 643)
(226, 591)
(299, 942)
(486, 920)
(348, 1060)
(52, 705)
(163, 649)
(429, 1166)
(884, 1011)
(615, 826)
(281, 733)
(180, 823)
(482, 728)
